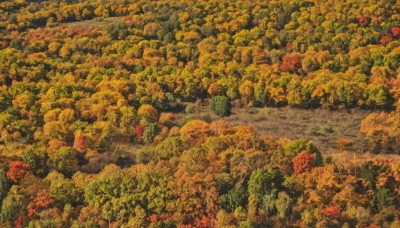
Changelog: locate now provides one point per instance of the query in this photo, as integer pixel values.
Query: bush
(190, 109)
(150, 132)
(221, 106)
(187, 119)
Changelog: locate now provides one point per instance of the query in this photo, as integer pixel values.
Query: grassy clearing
(323, 127)
(96, 22)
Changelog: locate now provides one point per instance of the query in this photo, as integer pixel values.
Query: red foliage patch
(395, 31)
(386, 39)
(374, 226)
(203, 222)
(41, 202)
(331, 211)
(139, 132)
(303, 162)
(364, 20)
(153, 218)
(290, 63)
(19, 222)
(18, 170)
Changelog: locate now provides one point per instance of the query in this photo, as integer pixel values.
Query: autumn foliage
(18, 170)
(291, 63)
(93, 131)
(331, 211)
(303, 162)
(41, 202)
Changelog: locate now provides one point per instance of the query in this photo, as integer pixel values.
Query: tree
(291, 63)
(80, 142)
(195, 132)
(284, 205)
(4, 185)
(12, 206)
(369, 173)
(333, 211)
(382, 198)
(221, 106)
(117, 31)
(263, 189)
(18, 170)
(148, 113)
(169, 148)
(36, 161)
(40, 203)
(303, 162)
(311, 216)
(386, 39)
(63, 190)
(381, 132)
(149, 133)
(233, 199)
(139, 133)
(64, 161)
(376, 95)
(246, 90)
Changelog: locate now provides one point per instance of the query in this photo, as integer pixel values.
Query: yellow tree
(195, 132)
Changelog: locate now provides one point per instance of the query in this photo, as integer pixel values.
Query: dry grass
(97, 22)
(324, 127)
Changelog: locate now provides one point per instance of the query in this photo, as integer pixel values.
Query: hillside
(207, 113)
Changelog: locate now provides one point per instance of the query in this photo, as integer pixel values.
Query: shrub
(150, 132)
(190, 109)
(221, 106)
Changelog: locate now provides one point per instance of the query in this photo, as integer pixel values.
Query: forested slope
(82, 80)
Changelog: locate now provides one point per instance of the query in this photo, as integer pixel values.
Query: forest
(118, 113)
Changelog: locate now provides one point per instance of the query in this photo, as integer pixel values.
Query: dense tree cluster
(208, 175)
(79, 80)
(92, 80)
(382, 131)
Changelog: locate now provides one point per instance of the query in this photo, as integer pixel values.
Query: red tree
(153, 218)
(290, 63)
(395, 31)
(386, 39)
(41, 202)
(331, 211)
(364, 20)
(303, 162)
(204, 221)
(19, 223)
(18, 170)
(373, 226)
(139, 132)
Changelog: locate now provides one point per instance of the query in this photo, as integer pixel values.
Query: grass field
(97, 22)
(324, 127)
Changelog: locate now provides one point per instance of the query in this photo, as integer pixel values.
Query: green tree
(149, 133)
(233, 199)
(284, 205)
(36, 161)
(170, 147)
(263, 188)
(117, 31)
(221, 106)
(5, 185)
(64, 161)
(63, 190)
(13, 206)
(382, 198)
(369, 173)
